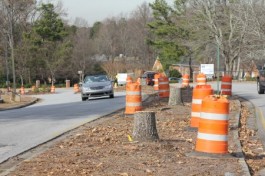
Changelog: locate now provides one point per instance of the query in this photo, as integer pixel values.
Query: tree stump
(175, 97)
(145, 126)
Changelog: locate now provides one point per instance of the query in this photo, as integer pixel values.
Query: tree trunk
(175, 96)
(145, 126)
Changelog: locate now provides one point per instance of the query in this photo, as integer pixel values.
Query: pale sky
(98, 10)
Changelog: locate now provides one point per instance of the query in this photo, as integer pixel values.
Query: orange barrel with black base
(199, 93)
(129, 80)
(185, 80)
(22, 90)
(156, 81)
(133, 98)
(213, 126)
(201, 79)
(163, 87)
(52, 89)
(226, 85)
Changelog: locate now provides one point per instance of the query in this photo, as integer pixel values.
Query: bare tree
(138, 30)
(84, 50)
(12, 13)
(228, 24)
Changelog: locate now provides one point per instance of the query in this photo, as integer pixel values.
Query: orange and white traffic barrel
(156, 80)
(133, 98)
(22, 90)
(138, 81)
(213, 126)
(52, 89)
(201, 79)
(76, 88)
(199, 93)
(226, 85)
(129, 80)
(163, 87)
(33, 88)
(185, 80)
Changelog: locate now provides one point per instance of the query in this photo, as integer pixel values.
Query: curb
(256, 121)
(260, 121)
(240, 154)
(33, 101)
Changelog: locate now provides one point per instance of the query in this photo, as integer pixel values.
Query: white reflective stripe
(156, 85)
(226, 89)
(132, 93)
(155, 79)
(211, 116)
(226, 83)
(160, 83)
(133, 104)
(201, 79)
(184, 79)
(212, 137)
(196, 101)
(195, 114)
(163, 91)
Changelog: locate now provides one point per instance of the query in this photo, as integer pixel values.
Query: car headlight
(108, 86)
(86, 88)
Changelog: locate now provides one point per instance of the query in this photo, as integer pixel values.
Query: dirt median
(102, 148)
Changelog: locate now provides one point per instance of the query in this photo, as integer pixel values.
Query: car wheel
(111, 96)
(260, 90)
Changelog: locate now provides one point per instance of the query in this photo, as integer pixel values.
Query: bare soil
(102, 147)
(9, 104)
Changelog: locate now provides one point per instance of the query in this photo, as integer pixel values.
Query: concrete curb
(240, 154)
(256, 122)
(33, 101)
(260, 121)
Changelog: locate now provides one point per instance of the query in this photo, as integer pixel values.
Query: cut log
(145, 126)
(175, 97)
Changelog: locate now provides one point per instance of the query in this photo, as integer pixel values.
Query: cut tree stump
(175, 97)
(145, 126)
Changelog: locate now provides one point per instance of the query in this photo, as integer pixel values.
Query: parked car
(261, 81)
(175, 79)
(96, 86)
(149, 77)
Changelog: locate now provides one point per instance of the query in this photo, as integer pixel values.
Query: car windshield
(98, 78)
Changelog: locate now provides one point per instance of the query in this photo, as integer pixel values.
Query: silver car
(96, 86)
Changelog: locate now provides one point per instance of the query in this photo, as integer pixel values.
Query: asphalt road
(248, 91)
(25, 128)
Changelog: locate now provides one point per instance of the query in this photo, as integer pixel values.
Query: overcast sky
(98, 10)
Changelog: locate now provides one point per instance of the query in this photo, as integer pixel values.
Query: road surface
(25, 128)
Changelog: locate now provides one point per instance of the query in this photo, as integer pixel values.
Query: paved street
(22, 129)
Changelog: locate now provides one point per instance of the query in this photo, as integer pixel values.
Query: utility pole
(218, 67)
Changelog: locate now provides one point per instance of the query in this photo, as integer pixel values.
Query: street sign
(207, 69)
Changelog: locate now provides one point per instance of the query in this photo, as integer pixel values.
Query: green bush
(175, 73)
(251, 79)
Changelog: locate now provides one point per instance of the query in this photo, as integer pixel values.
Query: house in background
(185, 69)
(158, 67)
